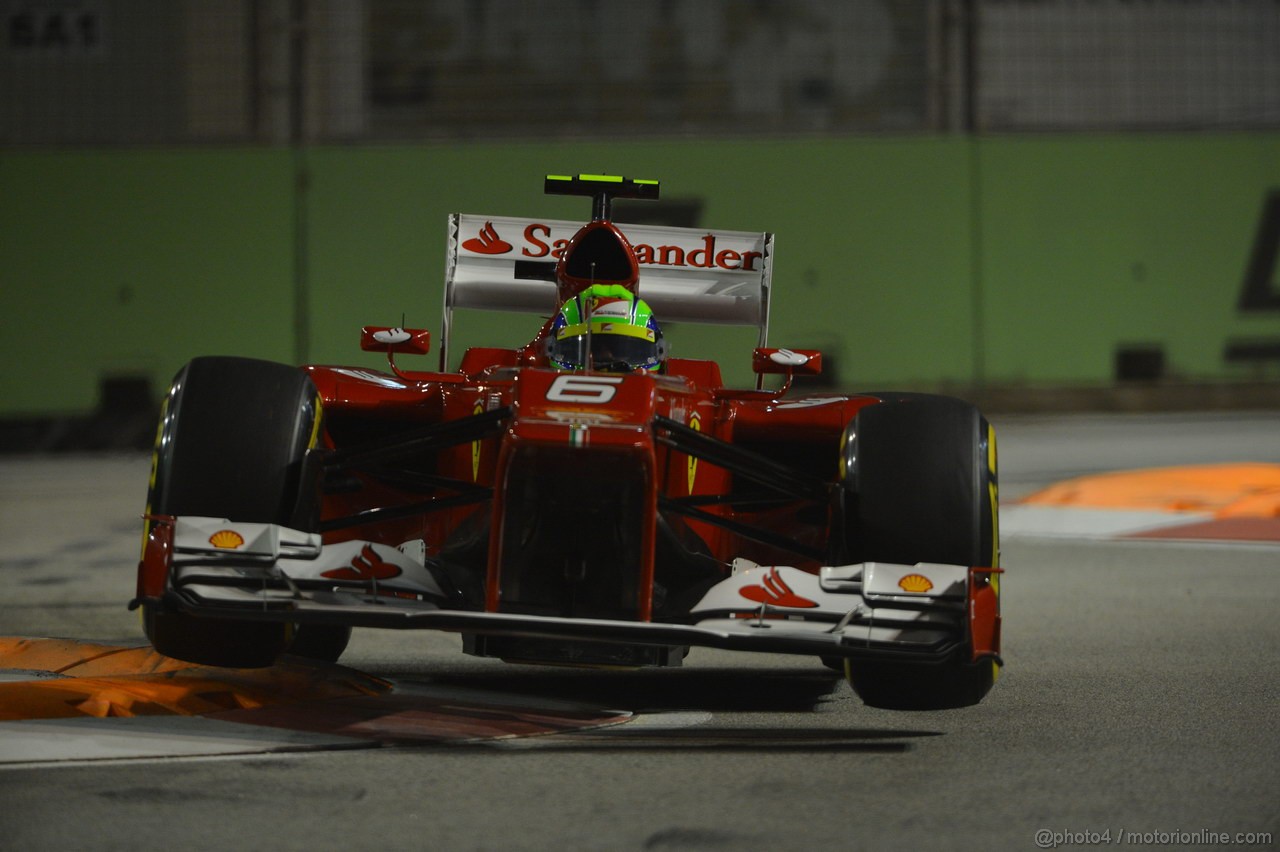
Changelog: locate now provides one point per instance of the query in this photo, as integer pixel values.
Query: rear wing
(686, 274)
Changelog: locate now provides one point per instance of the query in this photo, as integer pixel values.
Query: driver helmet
(610, 323)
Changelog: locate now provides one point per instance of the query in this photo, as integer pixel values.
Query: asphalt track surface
(1138, 705)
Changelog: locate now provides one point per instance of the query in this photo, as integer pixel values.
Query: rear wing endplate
(686, 274)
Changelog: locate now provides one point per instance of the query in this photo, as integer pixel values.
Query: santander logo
(773, 590)
(488, 242)
(702, 254)
(367, 566)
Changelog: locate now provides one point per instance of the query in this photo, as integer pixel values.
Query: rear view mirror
(793, 362)
(410, 341)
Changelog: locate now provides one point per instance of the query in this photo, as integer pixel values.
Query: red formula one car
(582, 499)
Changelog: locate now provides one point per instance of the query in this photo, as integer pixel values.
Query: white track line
(50, 741)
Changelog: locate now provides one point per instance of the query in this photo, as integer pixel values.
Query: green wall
(1090, 242)
(128, 263)
(914, 261)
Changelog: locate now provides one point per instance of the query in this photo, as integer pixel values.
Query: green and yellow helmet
(605, 327)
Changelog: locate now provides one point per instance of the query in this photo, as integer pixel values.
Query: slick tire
(232, 438)
(922, 472)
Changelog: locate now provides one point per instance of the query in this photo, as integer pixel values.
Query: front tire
(233, 435)
(922, 470)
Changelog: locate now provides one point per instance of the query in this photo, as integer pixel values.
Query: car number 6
(591, 389)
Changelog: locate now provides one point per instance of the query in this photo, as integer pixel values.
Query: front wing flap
(919, 612)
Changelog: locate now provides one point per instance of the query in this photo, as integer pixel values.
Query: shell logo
(915, 583)
(226, 539)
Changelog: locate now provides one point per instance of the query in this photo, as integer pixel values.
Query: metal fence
(159, 72)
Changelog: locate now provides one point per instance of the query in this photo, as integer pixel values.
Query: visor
(620, 348)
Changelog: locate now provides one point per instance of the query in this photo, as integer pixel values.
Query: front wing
(923, 613)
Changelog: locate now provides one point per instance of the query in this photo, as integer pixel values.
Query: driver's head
(610, 325)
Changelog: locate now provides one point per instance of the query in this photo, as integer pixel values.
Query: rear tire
(923, 474)
(233, 435)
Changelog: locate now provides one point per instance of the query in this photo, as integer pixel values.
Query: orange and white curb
(63, 700)
(1213, 502)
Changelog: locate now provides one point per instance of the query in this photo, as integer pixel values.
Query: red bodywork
(578, 434)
